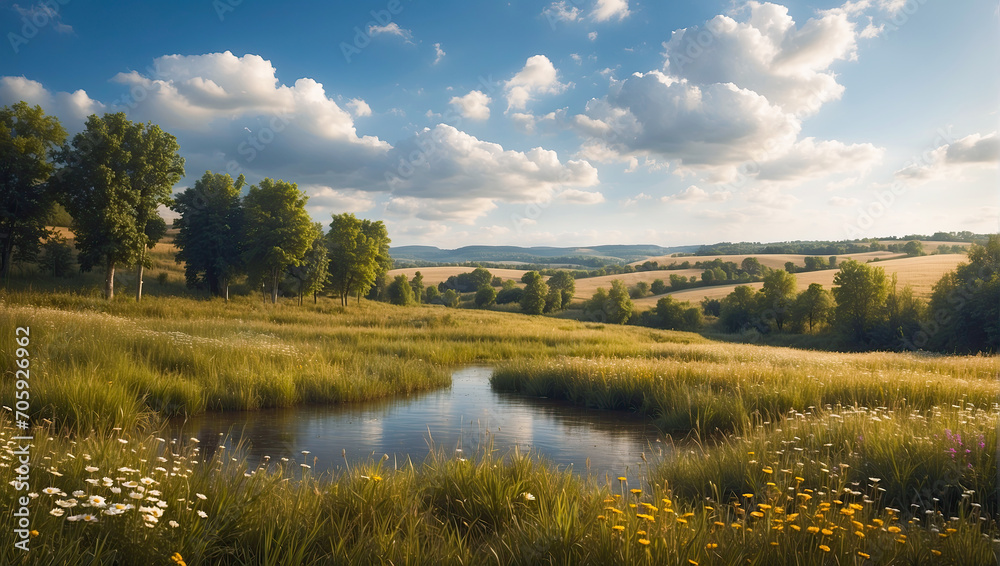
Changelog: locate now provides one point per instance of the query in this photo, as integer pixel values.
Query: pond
(456, 419)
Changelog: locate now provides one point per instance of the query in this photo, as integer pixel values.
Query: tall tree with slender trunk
(278, 231)
(27, 139)
(115, 175)
(210, 232)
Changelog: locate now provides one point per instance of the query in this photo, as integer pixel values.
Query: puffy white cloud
(359, 108)
(718, 125)
(326, 200)
(438, 53)
(767, 54)
(811, 159)
(474, 106)
(605, 10)
(392, 28)
(539, 76)
(592, 36)
(458, 177)
(72, 107)
(561, 12)
(955, 159)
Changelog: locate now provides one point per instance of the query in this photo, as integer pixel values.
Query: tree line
(113, 177)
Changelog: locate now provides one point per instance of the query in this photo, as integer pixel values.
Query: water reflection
(460, 417)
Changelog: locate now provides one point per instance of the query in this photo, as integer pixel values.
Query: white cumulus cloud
(539, 76)
(606, 10)
(474, 106)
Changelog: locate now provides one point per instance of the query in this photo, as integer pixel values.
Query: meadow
(780, 455)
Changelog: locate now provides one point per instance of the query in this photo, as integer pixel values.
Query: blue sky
(574, 122)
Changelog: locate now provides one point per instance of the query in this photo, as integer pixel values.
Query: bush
(486, 296)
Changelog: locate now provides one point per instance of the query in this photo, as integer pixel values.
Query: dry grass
(921, 273)
(585, 288)
(775, 261)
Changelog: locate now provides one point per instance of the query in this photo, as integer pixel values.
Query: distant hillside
(534, 255)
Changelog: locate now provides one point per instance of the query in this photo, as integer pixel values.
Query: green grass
(810, 423)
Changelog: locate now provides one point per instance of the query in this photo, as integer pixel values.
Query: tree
(278, 231)
(778, 293)
(417, 283)
(210, 232)
(27, 140)
(671, 314)
(486, 296)
(619, 306)
(57, 255)
(116, 174)
(658, 287)
(740, 309)
(596, 307)
(964, 310)
(860, 292)
(562, 287)
(640, 290)
(450, 298)
(914, 248)
(400, 292)
(678, 282)
(752, 266)
(815, 263)
(314, 270)
(813, 306)
(711, 307)
(535, 290)
(790, 267)
(509, 295)
(359, 253)
(431, 294)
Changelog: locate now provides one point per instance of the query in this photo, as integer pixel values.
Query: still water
(461, 417)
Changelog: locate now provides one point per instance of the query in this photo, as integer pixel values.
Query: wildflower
(33, 533)
(635, 491)
(202, 514)
(527, 496)
(824, 548)
(894, 529)
(57, 512)
(827, 532)
(50, 490)
(936, 552)
(91, 469)
(622, 478)
(173, 524)
(863, 555)
(96, 501)
(619, 527)
(644, 542)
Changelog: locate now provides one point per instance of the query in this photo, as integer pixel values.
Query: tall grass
(463, 508)
(716, 388)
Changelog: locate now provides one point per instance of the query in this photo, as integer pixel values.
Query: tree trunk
(274, 288)
(109, 281)
(315, 298)
(226, 287)
(8, 255)
(138, 283)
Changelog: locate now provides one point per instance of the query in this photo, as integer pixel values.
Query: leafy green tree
(431, 294)
(740, 309)
(964, 310)
(400, 292)
(27, 140)
(671, 314)
(210, 232)
(116, 174)
(711, 307)
(450, 298)
(752, 266)
(812, 307)
(790, 267)
(314, 270)
(833, 262)
(57, 255)
(815, 263)
(510, 295)
(417, 283)
(860, 292)
(535, 290)
(678, 282)
(778, 295)
(359, 252)
(562, 287)
(639, 290)
(619, 306)
(595, 308)
(278, 231)
(914, 248)
(658, 287)
(486, 296)
(903, 314)
(508, 284)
